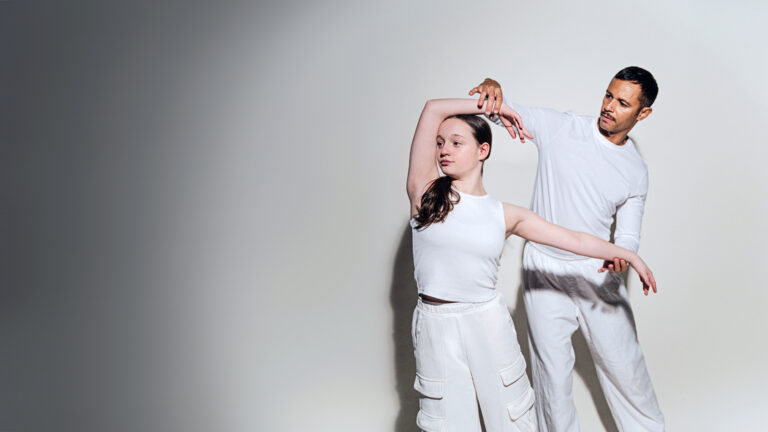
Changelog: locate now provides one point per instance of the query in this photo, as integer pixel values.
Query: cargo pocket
(431, 415)
(428, 423)
(511, 374)
(521, 412)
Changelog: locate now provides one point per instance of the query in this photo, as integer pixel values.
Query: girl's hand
(646, 276)
(514, 123)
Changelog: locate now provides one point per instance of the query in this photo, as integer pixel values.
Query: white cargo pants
(561, 296)
(468, 353)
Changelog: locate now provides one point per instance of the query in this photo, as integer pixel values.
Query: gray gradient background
(204, 211)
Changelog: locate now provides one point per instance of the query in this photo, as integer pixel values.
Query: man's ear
(643, 113)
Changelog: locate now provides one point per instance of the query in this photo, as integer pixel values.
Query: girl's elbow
(578, 241)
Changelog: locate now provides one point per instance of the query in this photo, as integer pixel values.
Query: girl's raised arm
(422, 168)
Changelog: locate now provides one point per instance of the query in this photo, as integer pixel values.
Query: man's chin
(606, 126)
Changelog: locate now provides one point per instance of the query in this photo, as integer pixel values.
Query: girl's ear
(484, 149)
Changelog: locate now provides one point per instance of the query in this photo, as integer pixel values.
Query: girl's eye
(456, 143)
(439, 144)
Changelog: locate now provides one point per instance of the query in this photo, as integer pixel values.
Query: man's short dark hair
(646, 81)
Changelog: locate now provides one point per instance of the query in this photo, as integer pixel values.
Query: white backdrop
(226, 247)
(359, 75)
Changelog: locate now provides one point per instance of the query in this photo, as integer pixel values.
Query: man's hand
(491, 90)
(615, 266)
(620, 265)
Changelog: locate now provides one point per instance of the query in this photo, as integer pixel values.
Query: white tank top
(458, 259)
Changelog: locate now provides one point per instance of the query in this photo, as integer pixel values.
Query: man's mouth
(606, 117)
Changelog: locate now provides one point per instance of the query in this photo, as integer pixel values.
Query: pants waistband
(459, 307)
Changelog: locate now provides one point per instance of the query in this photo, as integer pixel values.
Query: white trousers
(468, 353)
(561, 296)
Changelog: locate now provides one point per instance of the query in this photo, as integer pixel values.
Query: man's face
(621, 107)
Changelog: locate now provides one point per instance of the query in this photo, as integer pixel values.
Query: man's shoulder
(636, 156)
(580, 125)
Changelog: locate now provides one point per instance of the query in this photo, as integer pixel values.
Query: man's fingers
(499, 101)
(490, 104)
(481, 99)
(473, 91)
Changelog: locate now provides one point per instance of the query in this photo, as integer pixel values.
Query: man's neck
(619, 138)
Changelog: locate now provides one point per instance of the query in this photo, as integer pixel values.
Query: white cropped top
(458, 259)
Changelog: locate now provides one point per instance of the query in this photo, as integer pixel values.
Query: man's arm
(629, 218)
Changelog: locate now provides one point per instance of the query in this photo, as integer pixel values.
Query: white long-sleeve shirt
(583, 179)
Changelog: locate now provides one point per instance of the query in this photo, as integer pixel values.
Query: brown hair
(438, 200)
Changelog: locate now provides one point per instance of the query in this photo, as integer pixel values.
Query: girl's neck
(471, 186)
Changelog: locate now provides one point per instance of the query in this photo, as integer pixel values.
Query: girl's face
(458, 152)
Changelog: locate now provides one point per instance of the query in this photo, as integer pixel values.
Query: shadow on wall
(584, 365)
(402, 298)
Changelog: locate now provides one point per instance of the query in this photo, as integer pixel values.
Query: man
(589, 171)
